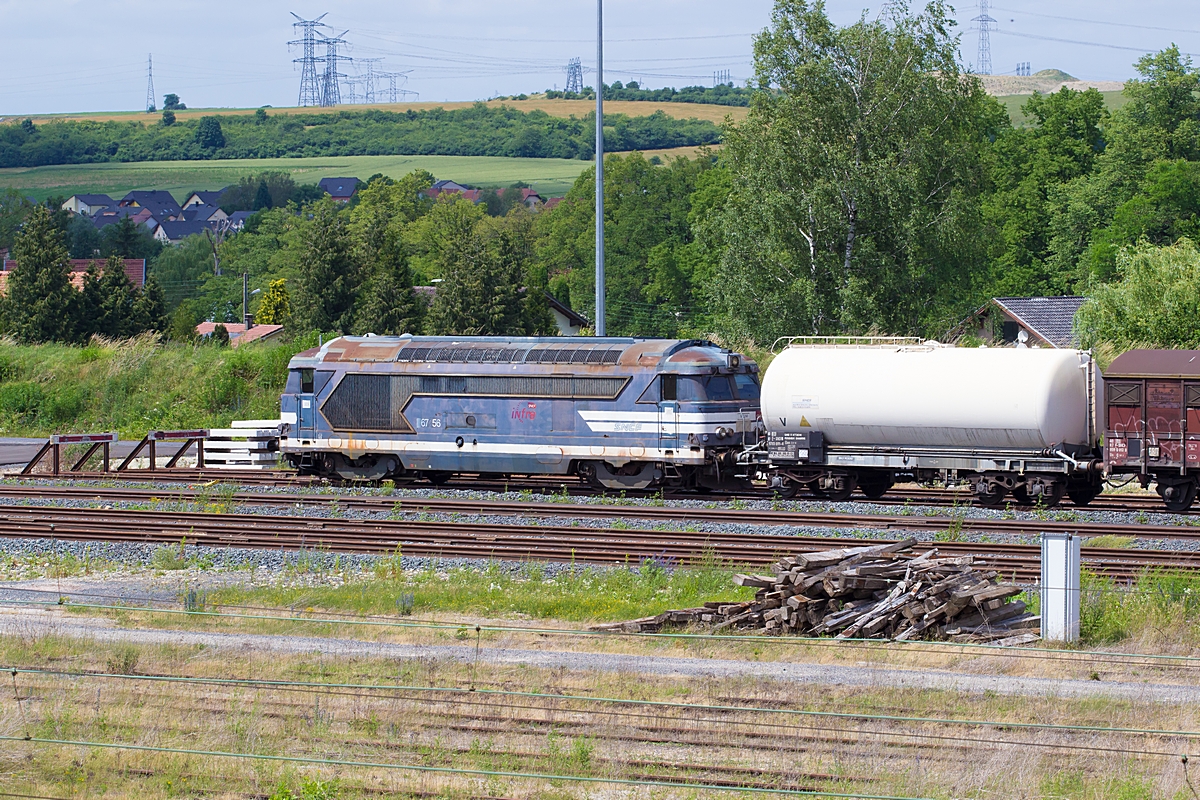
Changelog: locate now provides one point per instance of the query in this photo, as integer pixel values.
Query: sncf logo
(525, 413)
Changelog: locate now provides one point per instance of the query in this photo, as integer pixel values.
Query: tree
(184, 320)
(91, 301)
(42, 304)
(1060, 144)
(262, 197)
(150, 308)
(328, 275)
(387, 304)
(1156, 302)
(209, 133)
(171, 103)
(275, 305)
(128, 239)
(14, 208)
(1160, 122)
(856, 179)
(83, 240)
(168, 118)
(220, 335)
(117, 296)
(483, 292)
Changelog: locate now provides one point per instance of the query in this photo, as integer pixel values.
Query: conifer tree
(43, 306)
(90, 302)
(275, 306)
(116, 319)
(329, 274)
(150, 308)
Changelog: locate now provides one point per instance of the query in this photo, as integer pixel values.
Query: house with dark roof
(141, 216)
(340, 189)
(88, 204)
(1044, 321)
(175, 231)
(237, 220)
(202, 212)
(445, 186)
(203, 199)
(161, 204)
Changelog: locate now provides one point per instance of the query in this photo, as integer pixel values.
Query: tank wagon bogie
(620, 413)
(861, 416)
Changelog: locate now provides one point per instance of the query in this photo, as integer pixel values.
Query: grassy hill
(550, 176)
(1013, 103)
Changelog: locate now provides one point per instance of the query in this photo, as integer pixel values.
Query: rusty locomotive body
(618, 412)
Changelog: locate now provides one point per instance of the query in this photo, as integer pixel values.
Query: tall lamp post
(599, 167)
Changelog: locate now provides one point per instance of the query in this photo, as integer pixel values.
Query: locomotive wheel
(1181, 495)
(438, 478)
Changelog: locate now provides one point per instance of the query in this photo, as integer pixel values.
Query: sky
(71, 55)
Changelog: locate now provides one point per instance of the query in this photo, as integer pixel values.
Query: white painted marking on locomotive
(288, 417)
(420, 451)
(648, 421)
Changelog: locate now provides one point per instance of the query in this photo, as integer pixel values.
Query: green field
(1013, 102)
(550, 176)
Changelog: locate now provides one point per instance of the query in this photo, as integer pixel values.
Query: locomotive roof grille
(510, 355)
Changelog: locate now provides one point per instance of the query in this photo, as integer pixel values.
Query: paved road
(27, 622)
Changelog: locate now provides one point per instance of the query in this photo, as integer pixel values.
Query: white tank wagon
(865, 413)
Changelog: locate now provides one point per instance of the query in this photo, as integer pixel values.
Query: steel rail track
(830, 519)
(572, 486)
(514, 542)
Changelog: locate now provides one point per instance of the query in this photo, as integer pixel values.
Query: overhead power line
(1085, 43)
(1095, 21)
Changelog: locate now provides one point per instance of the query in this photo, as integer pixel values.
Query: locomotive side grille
(611, 356)
(360, 402)
(372, 402)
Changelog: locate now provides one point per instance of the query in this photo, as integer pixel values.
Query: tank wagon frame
(1152, 422)
(617, 412)
(836, 430)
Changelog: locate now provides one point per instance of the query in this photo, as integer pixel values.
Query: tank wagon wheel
(849, 484)
(1021, 496)
(1082, 493)
(1178, 497)
(991, 499)
(787, 489)
(874, 486)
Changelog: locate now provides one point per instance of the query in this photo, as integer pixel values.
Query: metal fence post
(1060, 587)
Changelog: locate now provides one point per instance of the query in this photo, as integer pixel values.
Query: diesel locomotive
(620, 413)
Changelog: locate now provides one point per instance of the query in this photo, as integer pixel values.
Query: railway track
(831, 519)
(605, 546)
(570, 485)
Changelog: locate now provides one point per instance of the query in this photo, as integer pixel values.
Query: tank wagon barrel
(617, 412)
(845, 415)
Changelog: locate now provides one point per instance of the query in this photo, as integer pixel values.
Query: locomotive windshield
(701, 388)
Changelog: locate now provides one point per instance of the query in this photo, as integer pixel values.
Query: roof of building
(161, 203)
(237, 331)
(573, 316)
(181, 229)
(1050, 318)
(238, 218)
(447, 186)
(207, 198)
(1155, 364)
(95, 199)
(552, 203)
(339, 187)
(135, 270)
(199, 213)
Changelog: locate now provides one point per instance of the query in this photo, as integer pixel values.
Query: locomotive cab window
(306, 381)
(669, 387)
(746, 387)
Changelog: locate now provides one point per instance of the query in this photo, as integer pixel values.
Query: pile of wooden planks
(877, 592)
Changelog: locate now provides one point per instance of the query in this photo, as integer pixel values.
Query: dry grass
(556, 108)
(487, 731)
